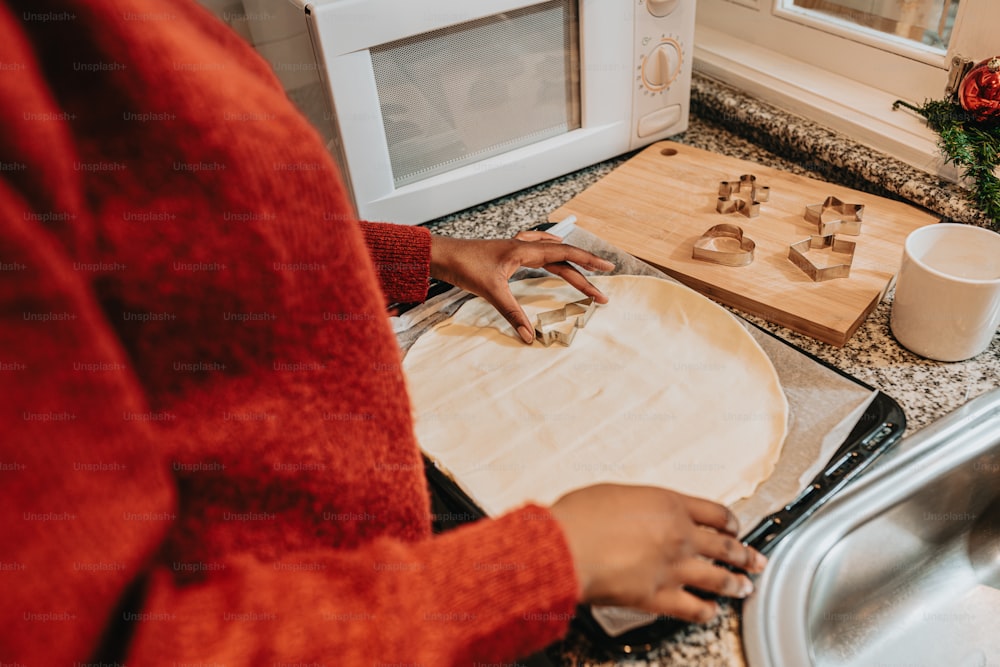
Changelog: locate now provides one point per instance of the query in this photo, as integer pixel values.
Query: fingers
(711, 514)
(533, 235)
(711, 578)
(699, 574)
(539, 254)
(721, 544)
(680, 604)
(577, 280)
(507, 305)
(552, 253)
(727, 549)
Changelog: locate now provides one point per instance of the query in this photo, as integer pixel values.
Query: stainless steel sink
(903, 569)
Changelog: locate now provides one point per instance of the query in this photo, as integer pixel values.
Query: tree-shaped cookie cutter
(834, 216)
(799, 254)
(749, 207)
(581, 310)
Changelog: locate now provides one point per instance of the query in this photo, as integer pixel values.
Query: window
(843, 62)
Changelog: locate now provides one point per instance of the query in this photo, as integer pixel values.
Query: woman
(207, 455)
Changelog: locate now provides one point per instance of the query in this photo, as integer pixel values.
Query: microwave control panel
(664, 32)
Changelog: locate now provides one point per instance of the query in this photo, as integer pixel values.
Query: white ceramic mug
(947, 301)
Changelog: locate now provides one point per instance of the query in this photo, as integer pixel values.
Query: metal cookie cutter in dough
(835, 217)
(799, 254)
(546, 324)
(724, 244)
(749, 207)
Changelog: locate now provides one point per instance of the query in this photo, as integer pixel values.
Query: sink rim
(775, 630)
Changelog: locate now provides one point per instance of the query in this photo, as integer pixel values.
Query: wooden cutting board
(658, 203)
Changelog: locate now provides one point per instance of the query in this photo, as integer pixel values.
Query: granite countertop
(726, 121)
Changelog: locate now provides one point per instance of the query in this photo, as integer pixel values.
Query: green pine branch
(971, 146)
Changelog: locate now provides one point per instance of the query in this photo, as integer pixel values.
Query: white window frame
(836, 75)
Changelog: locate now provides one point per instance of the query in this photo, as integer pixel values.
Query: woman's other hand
(641, 547)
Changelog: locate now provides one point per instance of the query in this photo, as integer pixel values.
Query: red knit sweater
(206, 454)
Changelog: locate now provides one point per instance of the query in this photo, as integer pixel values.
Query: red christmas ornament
(979, 93)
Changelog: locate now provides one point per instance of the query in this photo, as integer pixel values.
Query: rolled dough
(662, 387)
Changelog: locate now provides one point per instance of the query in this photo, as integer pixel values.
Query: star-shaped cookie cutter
(749, 207)
(581, 310)
(798, 253)
(707, 247)
(834, 216)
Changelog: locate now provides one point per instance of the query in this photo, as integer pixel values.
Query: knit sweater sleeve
(402, 259)
(468, 597)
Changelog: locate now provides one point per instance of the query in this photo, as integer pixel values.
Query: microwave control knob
(662, 65)
(661, 7)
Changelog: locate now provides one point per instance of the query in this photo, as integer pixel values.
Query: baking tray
(878, 429)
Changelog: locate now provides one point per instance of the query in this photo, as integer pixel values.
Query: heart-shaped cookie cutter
(706, 247)
(798, 253)
(747, 183)
(582, 310)
(834, 216)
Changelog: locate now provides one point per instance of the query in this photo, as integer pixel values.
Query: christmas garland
(969, 131)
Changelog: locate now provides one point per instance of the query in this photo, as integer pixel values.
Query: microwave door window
(462, 94)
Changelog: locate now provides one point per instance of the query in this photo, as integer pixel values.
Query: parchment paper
(823, 405)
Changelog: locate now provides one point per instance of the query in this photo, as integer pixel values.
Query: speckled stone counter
(731, 123)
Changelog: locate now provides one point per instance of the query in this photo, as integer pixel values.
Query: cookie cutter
(707, 246)
(748, 207)
(581, 310)
(798, 253)
(834, 216)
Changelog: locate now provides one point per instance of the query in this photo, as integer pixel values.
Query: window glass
(928, 22)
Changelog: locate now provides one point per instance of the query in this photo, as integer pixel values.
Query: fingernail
(527, 335)
(746, 588)
(759, 560)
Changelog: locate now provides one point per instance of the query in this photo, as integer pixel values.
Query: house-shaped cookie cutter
(581, 310)
(799, 254)
(749, 207)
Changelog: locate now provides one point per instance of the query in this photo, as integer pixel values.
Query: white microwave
(433, 106)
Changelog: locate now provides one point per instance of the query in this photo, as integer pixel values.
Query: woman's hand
(484, 268)
(639, 547)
